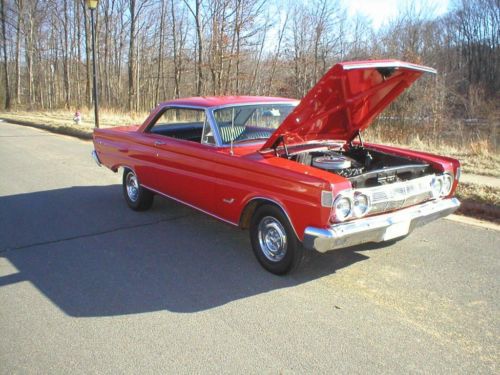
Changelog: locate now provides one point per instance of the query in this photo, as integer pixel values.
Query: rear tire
(274, 242)
(137, 197)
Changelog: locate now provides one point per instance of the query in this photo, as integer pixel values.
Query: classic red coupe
(296, 173)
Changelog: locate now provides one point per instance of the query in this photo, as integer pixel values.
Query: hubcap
(272, 239)
(132, 187)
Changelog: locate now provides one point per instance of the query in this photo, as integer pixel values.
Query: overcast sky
(379, 11)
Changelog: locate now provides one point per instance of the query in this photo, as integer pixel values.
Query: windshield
(250, 122)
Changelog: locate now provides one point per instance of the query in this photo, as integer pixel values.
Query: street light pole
(92, 4)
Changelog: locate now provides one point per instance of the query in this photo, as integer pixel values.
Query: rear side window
(181, 123)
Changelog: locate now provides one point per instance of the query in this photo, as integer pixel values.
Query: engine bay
(362, 166)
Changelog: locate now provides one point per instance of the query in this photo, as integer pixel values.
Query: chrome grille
(399, 194)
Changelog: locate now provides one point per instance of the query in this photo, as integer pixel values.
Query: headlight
(436, 186)
(342, 208)
(361, 205)
(447, 184)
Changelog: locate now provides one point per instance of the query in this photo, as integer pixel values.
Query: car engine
(362, 166)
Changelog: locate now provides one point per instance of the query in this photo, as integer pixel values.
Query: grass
(64, 118)
(472, 161)
(478, 193)
(476, 157)
(479, 201)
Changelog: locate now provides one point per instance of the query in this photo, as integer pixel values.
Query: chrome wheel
(272, 238)
(132, 186)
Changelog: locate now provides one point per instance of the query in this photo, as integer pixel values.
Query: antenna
(232, 132)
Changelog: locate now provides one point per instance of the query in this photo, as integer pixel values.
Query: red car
(296, 173)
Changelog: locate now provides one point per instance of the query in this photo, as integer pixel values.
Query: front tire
(274, 242)
(137, 197)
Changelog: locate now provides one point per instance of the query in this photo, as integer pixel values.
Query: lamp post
(92, 5)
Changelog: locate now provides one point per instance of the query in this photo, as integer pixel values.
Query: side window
(182, 123)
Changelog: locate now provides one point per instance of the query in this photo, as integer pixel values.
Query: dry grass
(476, 157)
(479, 201)
(64, 118)
(478, 193)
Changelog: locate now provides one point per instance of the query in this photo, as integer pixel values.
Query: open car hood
(346, 100)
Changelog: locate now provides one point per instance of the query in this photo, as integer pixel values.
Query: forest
(150, 51)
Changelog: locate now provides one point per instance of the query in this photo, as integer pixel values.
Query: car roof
(217, 101)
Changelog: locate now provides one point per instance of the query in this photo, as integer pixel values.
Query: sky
(379, 11)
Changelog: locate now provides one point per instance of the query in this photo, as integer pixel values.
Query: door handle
(159, 143)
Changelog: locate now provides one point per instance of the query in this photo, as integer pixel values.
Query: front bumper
(377, 228)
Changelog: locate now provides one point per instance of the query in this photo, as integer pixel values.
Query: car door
(180, 166)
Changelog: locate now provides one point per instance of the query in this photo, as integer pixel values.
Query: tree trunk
(159, 72)
(5, 59)
(29, 59)
(67, 86)
(175, 45)
(88, 53)
(18, 51)
(199, 59)
(131, 57)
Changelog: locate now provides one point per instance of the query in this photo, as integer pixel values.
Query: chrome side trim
(292, 102)
(377, 228)
(220, 218)
(190, 205)
(96, 158)
(188, 106)
(215, 128)
(277, 204)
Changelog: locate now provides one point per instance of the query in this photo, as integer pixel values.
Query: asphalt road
(89, 286)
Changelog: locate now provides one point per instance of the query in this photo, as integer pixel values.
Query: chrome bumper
(377, 228)
(96, 158)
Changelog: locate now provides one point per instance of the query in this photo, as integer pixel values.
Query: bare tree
(179, 32)
(199, 35)
(19, 9)
(5, 57)
(88, 52)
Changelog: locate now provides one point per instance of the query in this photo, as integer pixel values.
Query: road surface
(89, 286)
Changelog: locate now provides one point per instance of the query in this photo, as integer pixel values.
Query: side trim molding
(190, 205)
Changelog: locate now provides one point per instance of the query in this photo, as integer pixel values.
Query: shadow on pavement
(92, 256)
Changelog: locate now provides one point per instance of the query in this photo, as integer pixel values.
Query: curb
(480, 210)
(473, 221)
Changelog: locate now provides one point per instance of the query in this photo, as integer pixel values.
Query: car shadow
(92, 256)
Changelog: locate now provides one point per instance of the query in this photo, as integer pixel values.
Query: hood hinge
(276, 143)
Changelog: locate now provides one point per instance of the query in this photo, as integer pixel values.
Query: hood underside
(346, 100)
